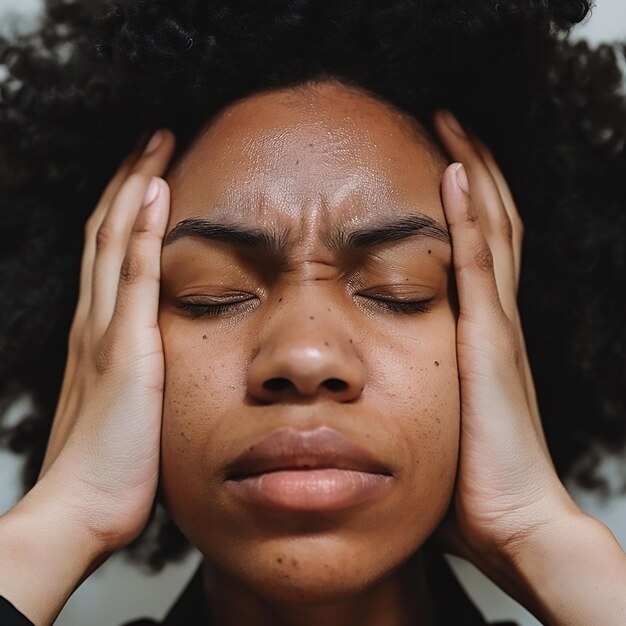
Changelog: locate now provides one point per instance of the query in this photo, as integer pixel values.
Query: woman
(297, 319)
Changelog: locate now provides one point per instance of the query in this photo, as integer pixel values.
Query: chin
(315, 584)
(313, 571)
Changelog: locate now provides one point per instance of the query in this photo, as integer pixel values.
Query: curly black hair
(95, 76)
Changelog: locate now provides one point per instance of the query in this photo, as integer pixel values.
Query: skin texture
(306, 163)
(509, 514)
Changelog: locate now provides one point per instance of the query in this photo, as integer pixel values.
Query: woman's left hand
(508, 496)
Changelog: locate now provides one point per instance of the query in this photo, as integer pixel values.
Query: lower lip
(328, 489)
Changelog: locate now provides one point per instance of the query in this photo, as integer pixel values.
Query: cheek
(199, 386)
(416, 382)
(432, 429)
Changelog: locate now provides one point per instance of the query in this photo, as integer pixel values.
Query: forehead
(324, 150)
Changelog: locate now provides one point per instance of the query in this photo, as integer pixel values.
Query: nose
(306, 358)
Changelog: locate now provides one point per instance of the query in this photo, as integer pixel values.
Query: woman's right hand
(99, 477)
(102, 459)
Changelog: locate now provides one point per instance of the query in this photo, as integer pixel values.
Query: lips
(317, 471)
(289, 448)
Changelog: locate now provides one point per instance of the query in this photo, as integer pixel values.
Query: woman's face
(311, 292)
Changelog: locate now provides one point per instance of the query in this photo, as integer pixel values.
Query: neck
(400, 599)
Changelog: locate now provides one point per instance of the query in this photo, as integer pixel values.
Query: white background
(117, 592)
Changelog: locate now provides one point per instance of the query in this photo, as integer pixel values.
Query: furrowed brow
(267, 241)
(387, 232)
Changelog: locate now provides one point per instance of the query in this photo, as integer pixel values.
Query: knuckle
(91, 225)
(497, 221)
(483, 259)
(142, 228)
(131, 269)
(104, 236)
(103, 361)
(470, 219)
(105, 354)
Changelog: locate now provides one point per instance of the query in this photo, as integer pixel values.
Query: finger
(489, 205)
(144, 155)
(68, 392)
(91, 228)
(147, 156)
(507, 199)
(487, 348)
(152, 216)
(506, 248)
(126, 167)
(517, 237)
(140, 273)
(471, 255)
(112, 237)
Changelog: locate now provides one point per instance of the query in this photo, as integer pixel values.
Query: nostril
(334, 384)
(276, 384)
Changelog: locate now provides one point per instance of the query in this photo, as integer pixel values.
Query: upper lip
(290, 448)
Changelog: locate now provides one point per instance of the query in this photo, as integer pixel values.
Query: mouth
(320, 470)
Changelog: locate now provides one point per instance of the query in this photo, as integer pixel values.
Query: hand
(102, 458)
(507, 488)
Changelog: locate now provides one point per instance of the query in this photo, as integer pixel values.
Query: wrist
(45, 555)
(569, 570)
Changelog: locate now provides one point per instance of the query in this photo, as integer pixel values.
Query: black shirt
(452, 606)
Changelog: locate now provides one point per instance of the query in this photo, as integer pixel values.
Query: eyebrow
(271, 241)
(387, 232)
(339, 240)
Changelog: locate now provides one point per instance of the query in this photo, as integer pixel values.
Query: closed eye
(211, 306)
(402, 306)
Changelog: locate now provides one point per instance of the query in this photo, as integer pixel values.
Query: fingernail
(454, 124)
(461, 178)
(151, 192)
(154, 142)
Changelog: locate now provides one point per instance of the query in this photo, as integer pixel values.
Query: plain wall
(118, 592)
